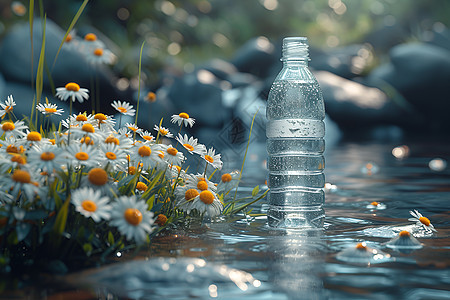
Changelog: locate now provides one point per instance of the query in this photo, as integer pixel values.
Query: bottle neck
(295, 52)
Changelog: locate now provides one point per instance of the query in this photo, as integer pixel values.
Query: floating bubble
(400, 152)
(330, 187)
(437, 164)
(404, 242)
(369, 168)
(362, 254)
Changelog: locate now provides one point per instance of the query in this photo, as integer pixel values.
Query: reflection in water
(297, 262)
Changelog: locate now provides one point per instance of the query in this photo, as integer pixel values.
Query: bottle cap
(295, 48)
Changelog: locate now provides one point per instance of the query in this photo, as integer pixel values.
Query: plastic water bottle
(295, 145)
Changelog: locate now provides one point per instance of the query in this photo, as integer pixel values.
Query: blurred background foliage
(180, 34)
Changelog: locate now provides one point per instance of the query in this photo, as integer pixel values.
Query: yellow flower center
(202, 185)
(82, 156)
(190, 194)
(122, 109)
(112, 140)
(72, 86)
(87, 140)
(161, 220)
(147, 137)
(140, 186)
(98, 52)
(172, 151)
(207, 197)
(81, 118)
(50, 110)
(21, 176)
(8, 109)
(68, 38)
(188, 147)
(12, 149)
(132, 170)
(18, 159)
(161, 154)
(47, 156)
(374, 203)
(89, 205)
(144, 151)
(98, 176)
(425, 221)
(133, 216)
(403, 233)
(226, 177)
(34, 136)
(361, 246)
(163, 131)
(53, 141)
(8, 126)
(110, 155)
(88, 128)
(209, 159)
(184, 115)
(151, 97)
(90, 37)
(100, 117)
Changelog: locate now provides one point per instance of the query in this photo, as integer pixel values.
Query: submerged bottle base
(293, 217)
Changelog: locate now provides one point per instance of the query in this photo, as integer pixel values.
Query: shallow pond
(299, 264)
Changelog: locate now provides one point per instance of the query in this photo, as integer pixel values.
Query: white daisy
(184, 197)
(114, 156)
(207, 203)
(49, 109)
(98, 179)
(191, 144)
(20, 182)
(133, 127)
(146, 136)
(124, 108)
(228, 181)
(171, 155)
(16, 129)
(73, 91)
(87, 130)
(12, 162)
(105, 123)
(91, 42)
(145, 154)
(78, 120)
(162, 131)
(421, 221)
(132, 218)
(82, 154)
(200, 183)
(124, 141)
(11, 146)
(213, 159)
(182, 118)
(46, 157)
(91, 204)
(100, 56)
(7, 107)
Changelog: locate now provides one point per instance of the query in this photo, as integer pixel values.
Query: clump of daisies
(95, 185)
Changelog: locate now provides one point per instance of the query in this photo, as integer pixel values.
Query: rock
(353, 105)
(420, 73)
(256, 57)
(15, 61)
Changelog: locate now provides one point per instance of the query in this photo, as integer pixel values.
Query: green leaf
(72, 24)
(110, 238)
(61, 218)
(87, 249)
(255, 191)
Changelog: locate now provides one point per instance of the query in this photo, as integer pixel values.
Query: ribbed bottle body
(295, 144)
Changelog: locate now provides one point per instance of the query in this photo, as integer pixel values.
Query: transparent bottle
(295, 142)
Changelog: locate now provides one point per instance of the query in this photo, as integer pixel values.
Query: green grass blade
(245, 155)
(31, 21)
(139, 82)
(40, 69)
(72, 24)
